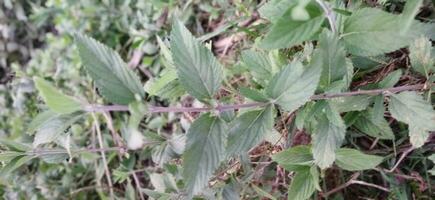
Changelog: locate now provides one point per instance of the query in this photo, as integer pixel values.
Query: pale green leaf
(302, 186)
(14, 164)
(420, 56)
(259, 65)
(409, 12)
(391, 79)
(262, 193)
(56, 100)
(371, 32)
(115, 81)
(7, 156)
(326, 139)
(40, 119)
(350, 103)
(52, 129)
(292, 158)
(198, 70)
(274, 9)
(248, 130)
(379, 128)
(14, 146)
(410, 107)
(287, 32)
(253, 95)
(331, 57)
(293, 86)
(205, 149)
(354, 160)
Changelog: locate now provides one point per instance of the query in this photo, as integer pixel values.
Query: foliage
(219, 101)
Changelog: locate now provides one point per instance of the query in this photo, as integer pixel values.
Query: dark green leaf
(292, 158)
(302, 186)
(259, 65)
(253, 95)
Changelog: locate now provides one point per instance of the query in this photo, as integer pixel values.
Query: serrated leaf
(198, 70)
(371, 32)
(302, 186)
(293, 86)
(379, 128)
(293, 158)
(56, 100)
(287, 32)
(420, 56)
(248, 130)
(259, 65)
(327, 138)
(253, 95)
(331, 57)
(115, 81)
(55, 127)
(354, 160)
(410, 107)
(205, 149)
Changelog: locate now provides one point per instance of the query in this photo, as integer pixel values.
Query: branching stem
(222, 108)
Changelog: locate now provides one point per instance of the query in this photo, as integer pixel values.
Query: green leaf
(262, 193)
(198, 70)
(391, 79)
(287, 32)
(52, 129)
(411, 108)
(409, 12)
(205, 149)
(115, 81)
(274, 9)
(7, 156)
(302, 186)
(54, 99)
(354, 160)
(420, 56)
(15, 146)
(371, 32)
(331, 57)
(293, 86)
(14, 164)
(259, 65)
(350, 103)
(253, 95)
(379, 128)
(293, 158)
(40, 119)
(248, 130)
(327, 138)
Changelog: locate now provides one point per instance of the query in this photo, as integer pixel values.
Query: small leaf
(253, 95)
(248, 130)
(379, 128)
(54, 99)
(354, 160)
(198, 70)
(293, 86)
(205, 149)
(391, 79)
(293, 158)
(115, 81)
(52, 129)
(420, 56)
(287, 32)
(259, 65)
(410, 108)
(14, 164)
(371, 32)
(327, 138)
(302, 186)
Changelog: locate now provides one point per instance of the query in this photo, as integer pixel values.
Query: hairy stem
(221, 108)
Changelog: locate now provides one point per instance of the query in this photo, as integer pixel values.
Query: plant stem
(329, 14)
(222, 108)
